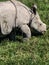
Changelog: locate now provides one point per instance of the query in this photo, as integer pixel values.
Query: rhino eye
(40, 24)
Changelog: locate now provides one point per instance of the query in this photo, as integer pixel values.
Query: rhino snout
(43, 29)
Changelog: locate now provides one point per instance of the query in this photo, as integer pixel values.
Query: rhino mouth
(36, 32)
(43, 32)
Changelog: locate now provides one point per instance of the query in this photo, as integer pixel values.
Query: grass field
(34, 52)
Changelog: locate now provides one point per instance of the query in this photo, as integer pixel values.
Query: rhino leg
(25, 29)
(12, 35)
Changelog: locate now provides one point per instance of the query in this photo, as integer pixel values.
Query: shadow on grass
(17, 35)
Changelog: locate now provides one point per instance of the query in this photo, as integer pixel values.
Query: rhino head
(36, 23)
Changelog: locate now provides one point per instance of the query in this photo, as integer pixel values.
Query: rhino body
(7, 18)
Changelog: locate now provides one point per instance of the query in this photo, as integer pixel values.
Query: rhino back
(8, 12)
(23, 14)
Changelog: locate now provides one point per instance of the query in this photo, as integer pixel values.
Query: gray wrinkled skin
(7, 18)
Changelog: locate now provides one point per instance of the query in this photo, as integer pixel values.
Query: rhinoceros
(26, 19)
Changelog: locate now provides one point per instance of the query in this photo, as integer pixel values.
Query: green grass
(34, 52)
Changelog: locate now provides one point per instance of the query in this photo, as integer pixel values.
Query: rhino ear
(34, 8)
